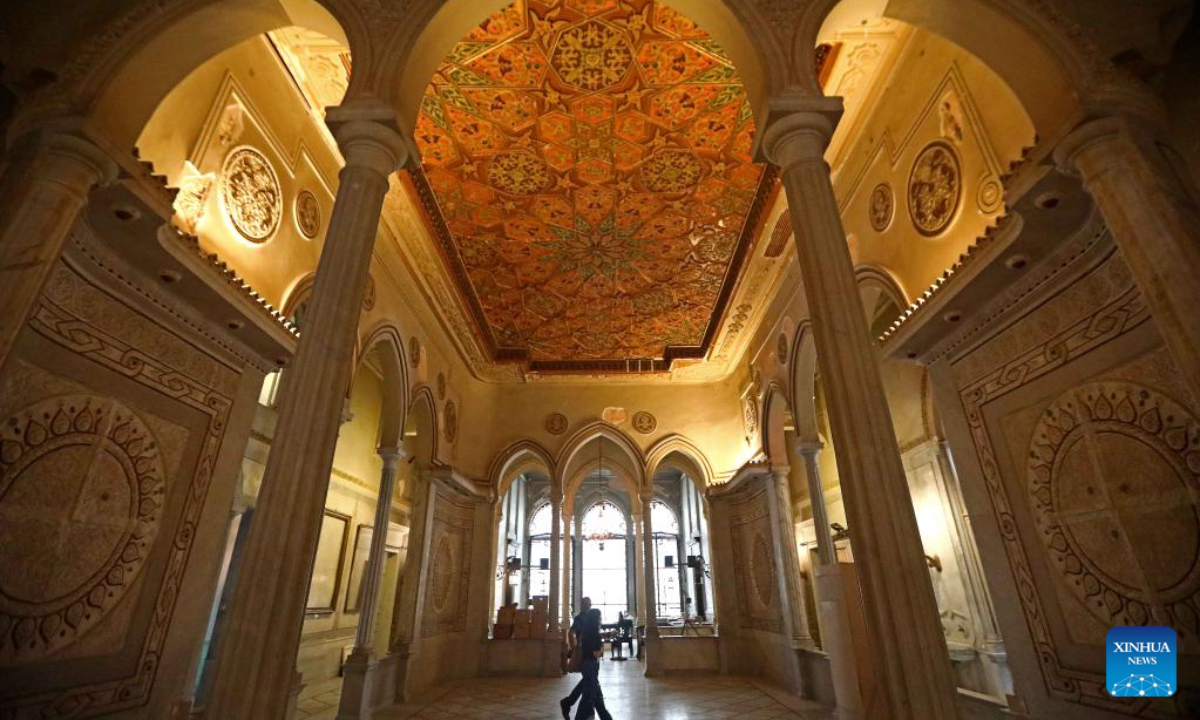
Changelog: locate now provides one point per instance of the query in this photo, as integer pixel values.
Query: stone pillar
(826, 552)
(374, 570)
(258, 661)
(1154, 219)
(906, 635)
(650, 616)
(556, 555)
(639, 563)
(45, 187)
(780, 507)
(567, 558)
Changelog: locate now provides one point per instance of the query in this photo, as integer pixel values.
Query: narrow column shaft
(256, 665)
(407, 621)
(369, 602)
(639, 564)
(898, 600)
(44, 189)
(556, 554)
(567, 557)
(826, 552)
(1154, 220)
(780, 507)
(651, 570)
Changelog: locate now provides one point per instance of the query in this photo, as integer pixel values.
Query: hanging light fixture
(601, 535)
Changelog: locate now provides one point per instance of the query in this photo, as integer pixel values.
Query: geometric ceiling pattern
(588, 165)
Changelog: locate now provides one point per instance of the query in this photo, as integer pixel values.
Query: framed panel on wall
(327, 567)
(397, 541)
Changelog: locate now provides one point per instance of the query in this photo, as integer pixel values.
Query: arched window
(539, 550)
(665, 525)
(603, 531)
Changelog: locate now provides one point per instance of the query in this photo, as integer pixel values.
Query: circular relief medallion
(882, 206)
(83, 486)
(671, 171)
(519, 173)
(414, 351)
(762, 570)
(450, 421)
(934, 188)
(644, 422)
(781, 348)
(990, 195)
(441, 386)
(1114, 478)
(369, 294)
(556, 423)
(308, 214)
(250, 193)
(591, 56)
(442, 570)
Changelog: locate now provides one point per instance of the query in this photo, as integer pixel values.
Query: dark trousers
(593, 696)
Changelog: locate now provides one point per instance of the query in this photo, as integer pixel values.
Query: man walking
(573, 640)
(593, 649)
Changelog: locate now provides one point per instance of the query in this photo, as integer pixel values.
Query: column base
(838, 636)
(358, 676)
(289, 710)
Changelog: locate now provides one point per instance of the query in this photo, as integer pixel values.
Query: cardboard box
(506, 614)
(521, 631)
(522, 617)
(502, 632)
(540, 602)
(537, 629)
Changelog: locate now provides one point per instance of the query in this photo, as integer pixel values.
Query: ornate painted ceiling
(587, 171)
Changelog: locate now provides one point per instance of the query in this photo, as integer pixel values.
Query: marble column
(45, 187)
(826, 552)
(556, 554)
(566, 556)
(639, 563)
(831, 600)
(915, 676)
(257, 664)
(1126, 166)
(650, 616)
(780, 507)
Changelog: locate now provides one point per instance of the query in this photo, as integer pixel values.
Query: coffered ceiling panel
(586, 165)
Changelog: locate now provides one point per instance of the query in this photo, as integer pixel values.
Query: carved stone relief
(781, 349)
(754, 562)
(449, 569)
(441, 386)
(81, 487)
(644, 422)
(414, 351)
(308, 214)
(368, 301)
(194, 189)
(750, 415)
(251, 195)
(882, 207)
(950, 123)
(934, 188)
(556, 423)
(450, 422)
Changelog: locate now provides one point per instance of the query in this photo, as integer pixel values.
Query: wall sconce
(934, 562)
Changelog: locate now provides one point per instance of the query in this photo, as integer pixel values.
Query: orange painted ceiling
(587, 169)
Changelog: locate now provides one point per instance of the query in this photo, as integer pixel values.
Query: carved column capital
(372, 145)
(798, 129)
(392, 456)
(809, 448)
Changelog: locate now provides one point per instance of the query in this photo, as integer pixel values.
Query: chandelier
(605, 534)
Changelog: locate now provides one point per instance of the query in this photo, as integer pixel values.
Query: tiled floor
(628, 695)
(319, 701)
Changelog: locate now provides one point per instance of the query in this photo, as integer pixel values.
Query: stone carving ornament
(64, 565)
(934, 188)
(882, 207)
(762, 570)
(308, 214)
(1114, 476)
(556, 423)
(414, 351)
(644, 422)
(441, 386)
(450, 421)
(251, 195)
(368, 301)
(443, 572)
(781, 349)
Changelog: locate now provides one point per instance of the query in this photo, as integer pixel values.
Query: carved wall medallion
(781, 348)
(250, 193)
(441, 386)
(66, 564)
(750, 415)
(449, 574)
(990, 195)
(882, 207)
(442, 573)
(450, 421)
(754, 574)
(556, 423)
(192, 198)
(644, 422)
(934, 188)
(414, 351)
(308, 214)
(1114, 477)
(368, 302)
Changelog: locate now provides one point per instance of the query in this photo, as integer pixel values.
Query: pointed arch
(517, 459)
(694, 463)
(421, 406)
(803, 367)
(776, 409)
(600, 429)
(387, 338)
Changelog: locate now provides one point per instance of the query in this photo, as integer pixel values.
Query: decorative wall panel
(449, 581)
(754, 563)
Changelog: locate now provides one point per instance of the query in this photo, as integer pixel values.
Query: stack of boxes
(522, 623)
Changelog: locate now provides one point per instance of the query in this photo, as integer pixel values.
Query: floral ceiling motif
(588, 165)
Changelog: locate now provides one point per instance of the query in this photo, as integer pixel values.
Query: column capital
(798, 128)
(392, 456)
(809, 448)
(1117, 110)
(371, 145)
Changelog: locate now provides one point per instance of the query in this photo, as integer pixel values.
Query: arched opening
(679, 518)
(604, 549)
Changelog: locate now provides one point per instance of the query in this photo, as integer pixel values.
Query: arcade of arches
(849, 349)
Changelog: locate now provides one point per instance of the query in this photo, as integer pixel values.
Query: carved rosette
(644, 422)
(881, 207)
(251, 195)
(1114, 477)
(556, 423)
(781, 348)
(750, 415)
(64, 564)
(450, 422)
(934, 188)
(308, 214)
